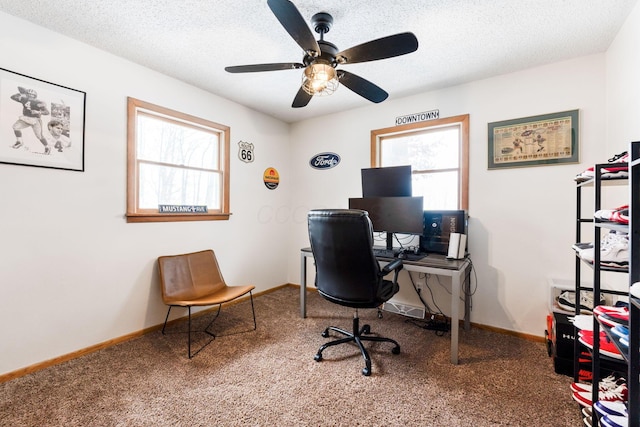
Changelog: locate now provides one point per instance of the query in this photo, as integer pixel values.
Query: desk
(432, 264)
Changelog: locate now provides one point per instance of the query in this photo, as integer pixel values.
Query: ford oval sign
(324, 161)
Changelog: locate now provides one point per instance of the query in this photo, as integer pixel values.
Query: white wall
(521, 220)
(73, 272)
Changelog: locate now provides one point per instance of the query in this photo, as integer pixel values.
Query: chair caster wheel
(325, 334)
(395, 350)
(366, 372)
(317, 357)
(366, 329)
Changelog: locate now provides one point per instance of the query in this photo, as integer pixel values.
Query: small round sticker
(271, 178)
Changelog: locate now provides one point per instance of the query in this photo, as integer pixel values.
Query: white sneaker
(614, 251)
(584, 322)
(607, 383)
(634, 290)
(567, 301)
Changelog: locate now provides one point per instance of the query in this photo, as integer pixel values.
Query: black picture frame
(42, 124)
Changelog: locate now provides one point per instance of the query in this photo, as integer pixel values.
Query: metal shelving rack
(631, 357)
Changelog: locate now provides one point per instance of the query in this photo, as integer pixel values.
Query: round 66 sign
(324, 161)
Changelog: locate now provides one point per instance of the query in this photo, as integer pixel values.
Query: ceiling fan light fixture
(320, 79)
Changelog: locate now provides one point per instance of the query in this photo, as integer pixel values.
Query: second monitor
(392, 214)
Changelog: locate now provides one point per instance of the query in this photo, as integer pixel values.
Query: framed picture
(41, 123)
(548, 139)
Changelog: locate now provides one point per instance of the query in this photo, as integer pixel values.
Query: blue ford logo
(324, 161)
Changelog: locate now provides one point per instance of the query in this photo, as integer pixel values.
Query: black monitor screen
(392, 214)
(392, 181)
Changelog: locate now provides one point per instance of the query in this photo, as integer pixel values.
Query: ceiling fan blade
(302, 98)
(386, 47)
(294, 23)
(263, 67)
(362, 87)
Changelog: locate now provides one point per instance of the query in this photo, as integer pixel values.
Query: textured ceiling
(459, 40)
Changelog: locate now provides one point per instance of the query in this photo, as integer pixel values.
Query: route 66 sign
(245, 152)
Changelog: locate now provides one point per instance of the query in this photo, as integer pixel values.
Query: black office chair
(348, 273)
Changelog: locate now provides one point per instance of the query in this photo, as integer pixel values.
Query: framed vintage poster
(533, 141)
(41, 123)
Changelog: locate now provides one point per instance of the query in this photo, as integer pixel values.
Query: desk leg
(455, 315)
(303, 286)
(467, 300)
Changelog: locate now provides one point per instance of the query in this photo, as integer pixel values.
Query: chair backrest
(189, 276)
(347, 271)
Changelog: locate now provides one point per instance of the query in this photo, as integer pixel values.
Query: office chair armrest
(396, 265)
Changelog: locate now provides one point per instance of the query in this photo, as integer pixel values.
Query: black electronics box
(560, 336)
(438, 225)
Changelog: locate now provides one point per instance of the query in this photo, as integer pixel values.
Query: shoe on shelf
(620, 331)
(567, 301)
(605, 384)
(607, 347)
(584, 322)
(605, 408)
(586, 411)
(586, 419)
(614, 318)
(634, 290)
(605, 309)
(616, 170)
(610, 215)
(624, 342)
(618, 394)
(614, 251)
(614, 421)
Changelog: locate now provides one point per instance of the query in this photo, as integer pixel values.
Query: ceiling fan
(322, 57)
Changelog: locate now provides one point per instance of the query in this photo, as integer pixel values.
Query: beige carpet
(268, 377)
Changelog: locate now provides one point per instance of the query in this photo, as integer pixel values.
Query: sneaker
(605, 408)
(18, 144)
(587, 420)
(614, 251)
(634, 290)
(624, 343)
(621, 216)
(620, 331)
(614, 421)
(605, 309)
(618, 394)
(616, 170)
(607, 383)
(587, 411)
(618, 215)
(583, 322)
(607, 347)
(614, 318)
(567, 301)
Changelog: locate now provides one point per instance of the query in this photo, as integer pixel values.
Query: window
(438, 152)
(175, 160)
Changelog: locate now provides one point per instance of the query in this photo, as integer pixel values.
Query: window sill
(132, 217)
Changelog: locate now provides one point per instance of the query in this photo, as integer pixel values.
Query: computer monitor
(394, 181)
(392, 214)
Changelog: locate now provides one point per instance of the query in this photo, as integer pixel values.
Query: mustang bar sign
(324, 161)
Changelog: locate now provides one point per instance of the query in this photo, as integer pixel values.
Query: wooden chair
(194, 279)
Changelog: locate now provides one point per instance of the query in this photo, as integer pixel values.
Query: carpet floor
(268, 377)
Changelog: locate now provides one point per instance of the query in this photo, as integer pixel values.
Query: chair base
(205, 330)
(358, 336)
